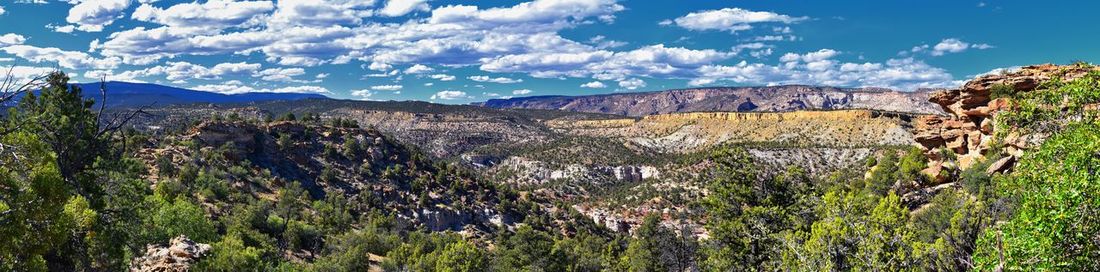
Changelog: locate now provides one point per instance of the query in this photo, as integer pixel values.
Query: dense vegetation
(78, 194)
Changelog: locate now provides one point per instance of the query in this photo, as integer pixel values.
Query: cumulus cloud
(530, 13)
(387, 87)
(22, 74)
(236, 88)
(11, 39)
(311, 33)
(607, 65)
(321, 12)
(450, 95)
(182, 71)
(442, 77)
(2, 11)
(946, 46)
(362, 94)
(502, 80)
(418, 69)
(211, 14)
(521, 38)
(92, 16)
(63, 58)
(396, 8)
(280, 74)
(819, 68)
(729, 19)
(522, 92)
(631, 84)
(594, 85)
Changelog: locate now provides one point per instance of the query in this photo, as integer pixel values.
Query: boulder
(178, 255)
(969, 160)
(1002, 165)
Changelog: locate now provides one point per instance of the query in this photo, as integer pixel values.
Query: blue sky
(461, 52)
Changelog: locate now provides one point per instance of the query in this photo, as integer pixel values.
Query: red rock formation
(968, 128)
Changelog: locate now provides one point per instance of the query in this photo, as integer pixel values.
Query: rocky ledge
(968, 128)
(178, 255)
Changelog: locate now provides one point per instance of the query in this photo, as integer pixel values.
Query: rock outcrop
(968, 129)
(178, 255)
(729, 99)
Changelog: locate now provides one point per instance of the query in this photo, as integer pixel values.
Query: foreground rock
(178, 255)
(968, 129)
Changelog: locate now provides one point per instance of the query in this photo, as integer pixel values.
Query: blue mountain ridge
(128, 94)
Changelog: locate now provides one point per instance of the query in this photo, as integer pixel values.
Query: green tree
(746, 211)
(60, 153)
(179, 217)
(462, 256)
(645, 251)
(1057, 222)
(231, 254)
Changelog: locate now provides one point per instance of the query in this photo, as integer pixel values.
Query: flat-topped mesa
(968, 128)
(776, 116)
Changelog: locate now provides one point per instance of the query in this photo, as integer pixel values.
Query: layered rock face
(968, 129)
(178, 255)
(729, 99)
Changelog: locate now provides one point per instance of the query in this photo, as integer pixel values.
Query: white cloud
(321, 12)
(522, 92)
(214, 14)
(418, 69)
(387, 87)
(182, 71)
(92, 16)
(442, 77)
(238, 68)
(300, 89)
(280, 74)
(237, 89)
(729, 19)
(380, 66)
(65, 59)
(2, 11)
(601, 42)
(594, 85)
(322, 75)
(11, 39)
(631, 84)
(949, 46)
(654, 60)
(22, 74)
(817, 68)
(362, 94)
(946, 46)
(450, 95)
(396, 8)
(502, 80)
(534, 12)
(311, 33)
(61, 28)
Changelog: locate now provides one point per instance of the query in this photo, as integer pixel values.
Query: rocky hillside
(730, 99)
(361, 165)
(970, 133)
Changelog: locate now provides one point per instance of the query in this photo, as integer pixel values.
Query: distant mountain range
(126, 94)
(741, 99)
